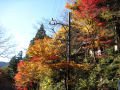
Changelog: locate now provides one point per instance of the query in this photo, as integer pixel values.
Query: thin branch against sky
(19, 17)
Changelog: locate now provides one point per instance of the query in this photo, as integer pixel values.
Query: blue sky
(18, 17)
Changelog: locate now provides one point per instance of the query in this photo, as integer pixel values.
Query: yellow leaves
(21, 79)
(47, 47)
(106, 15)
(40, 48)
(96, 43)
(85, 25)
(86, 28)
(61, 33)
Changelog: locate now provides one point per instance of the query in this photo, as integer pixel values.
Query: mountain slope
(3, 64)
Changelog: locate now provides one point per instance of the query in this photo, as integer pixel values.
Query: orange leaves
(71, 64)
(30, 71)
(67, 5)
(18, 76)
(35, 58)
(101, 24)
(21, 79)
(20, 65)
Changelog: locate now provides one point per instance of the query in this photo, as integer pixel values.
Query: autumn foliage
(87, 8)
(47, 56)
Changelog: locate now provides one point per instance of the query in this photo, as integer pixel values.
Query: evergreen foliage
(41, 33)
(13, 64)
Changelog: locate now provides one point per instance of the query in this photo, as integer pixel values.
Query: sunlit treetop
(44, 49)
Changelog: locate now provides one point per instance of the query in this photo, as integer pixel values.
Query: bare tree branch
(6, 45)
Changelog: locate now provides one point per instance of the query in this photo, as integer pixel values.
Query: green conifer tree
(13, 64)
(41, 33)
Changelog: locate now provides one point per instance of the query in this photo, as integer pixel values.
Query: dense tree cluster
(94, 61)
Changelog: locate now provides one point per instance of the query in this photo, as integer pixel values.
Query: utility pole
(67, 76)
(69, 38)
(68, 51)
